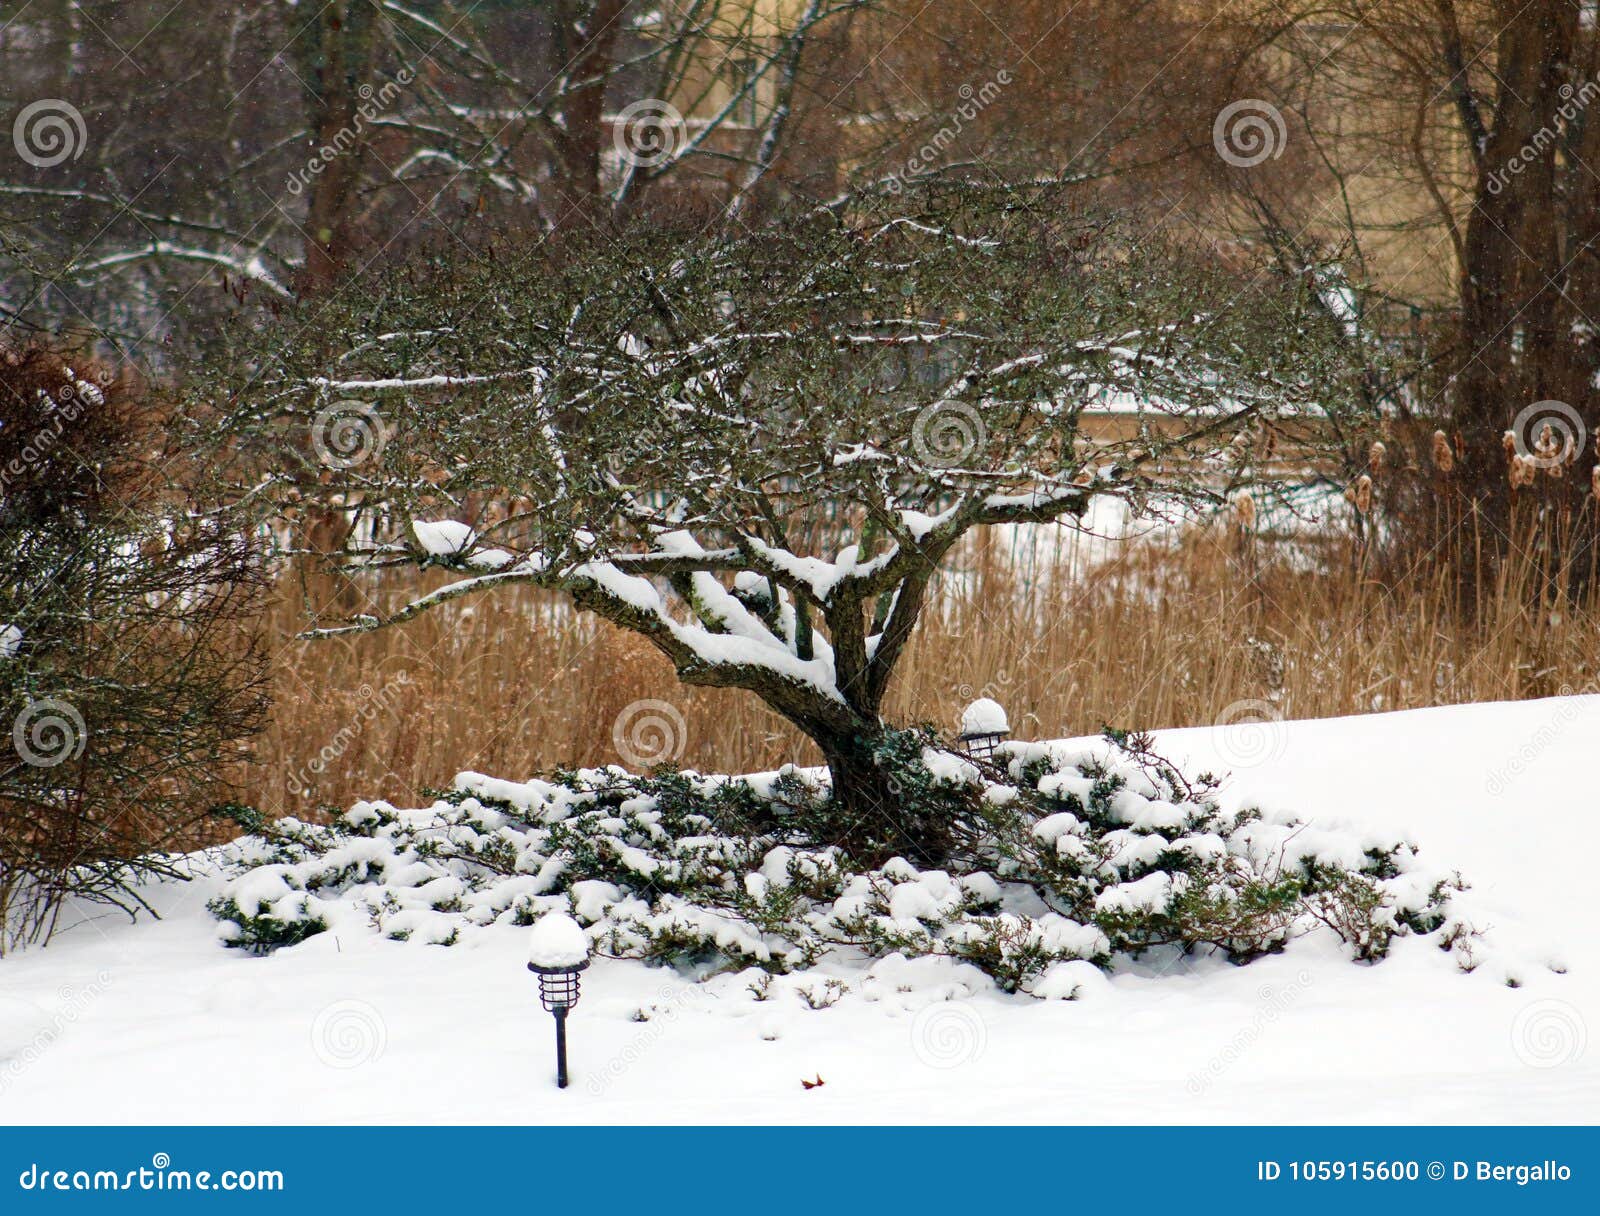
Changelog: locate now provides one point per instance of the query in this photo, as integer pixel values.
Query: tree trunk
(336, 61)
(585, 40)
(874, 816)
(1522, 342)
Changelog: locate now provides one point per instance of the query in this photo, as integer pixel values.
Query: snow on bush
(1078, 855)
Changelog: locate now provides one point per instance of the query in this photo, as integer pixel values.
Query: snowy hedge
(1072, 854)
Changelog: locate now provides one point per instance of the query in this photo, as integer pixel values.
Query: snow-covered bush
(1073, 853)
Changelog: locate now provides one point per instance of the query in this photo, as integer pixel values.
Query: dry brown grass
(511, 683)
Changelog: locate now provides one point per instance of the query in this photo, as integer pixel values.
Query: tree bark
(874, 817)
(1519, 342)
(336, 58)
(586, 35)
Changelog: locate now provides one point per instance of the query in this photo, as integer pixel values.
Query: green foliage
(246, 817)
(262, 932)
(1081, 855)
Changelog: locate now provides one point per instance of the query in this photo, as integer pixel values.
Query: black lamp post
(560, 951)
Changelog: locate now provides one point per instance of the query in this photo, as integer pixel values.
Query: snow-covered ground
(157, 1022)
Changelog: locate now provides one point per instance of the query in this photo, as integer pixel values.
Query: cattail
(1549, 449)
(1523, 471)
(1359, 495)
(1244, 511)
(1375, 456)
(1509, 442)
(1594, 481)
(1443, 459)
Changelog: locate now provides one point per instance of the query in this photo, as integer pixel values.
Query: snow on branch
(251, 268)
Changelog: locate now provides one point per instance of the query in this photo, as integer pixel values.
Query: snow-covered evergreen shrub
(1069, 853)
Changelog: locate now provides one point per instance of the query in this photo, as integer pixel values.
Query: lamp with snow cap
(983, 728)
(558, 951)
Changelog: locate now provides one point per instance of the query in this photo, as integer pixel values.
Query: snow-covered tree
(757, 452)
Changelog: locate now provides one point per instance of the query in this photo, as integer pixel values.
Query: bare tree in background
(270, 151)
(1477, 118)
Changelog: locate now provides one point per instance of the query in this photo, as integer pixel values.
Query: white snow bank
(135, 1022)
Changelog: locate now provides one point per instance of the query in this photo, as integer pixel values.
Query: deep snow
(155, 1022)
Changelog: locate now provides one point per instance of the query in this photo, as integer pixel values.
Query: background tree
(1476, 117)
(267, 152)
(1119, 93)
(756, 451)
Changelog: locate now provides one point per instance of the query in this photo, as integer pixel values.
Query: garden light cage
(559, 987)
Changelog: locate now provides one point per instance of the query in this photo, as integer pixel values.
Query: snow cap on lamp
(558, 943)
(984, 727)
(984, 717)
